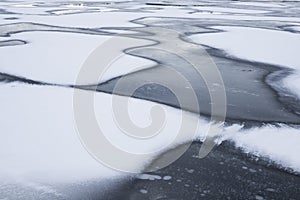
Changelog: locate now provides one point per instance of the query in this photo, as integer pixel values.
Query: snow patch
(277, 144)
(260, 45)
(55, 57)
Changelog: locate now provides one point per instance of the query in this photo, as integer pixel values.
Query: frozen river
(253, 45)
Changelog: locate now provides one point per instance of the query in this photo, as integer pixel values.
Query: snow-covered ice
(58, 57)
(254, 44)
(279, 144)
(39, 145)
(259, 45)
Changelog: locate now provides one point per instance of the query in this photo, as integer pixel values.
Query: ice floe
(259, 45)
(57, 57)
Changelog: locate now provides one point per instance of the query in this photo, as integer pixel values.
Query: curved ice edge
(284, 82)
(288, 68)
(269, 145)
(291, 82)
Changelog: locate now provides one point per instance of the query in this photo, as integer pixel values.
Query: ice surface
(296, 28)
(38, 136)
(277, 144)
(260, 45)
(56, 57)
(39, 141)
(40, 150)
(292, 83)
(230, 10)
(260, 4)
(39, 145)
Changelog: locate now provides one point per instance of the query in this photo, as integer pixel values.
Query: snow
(103, 18)
(230, 10)
(254, 44)
(292, 83)
(40, 147)
(86, 20)
(39, 141)
(260, 4)
(38, 137)
(60, 62)
(277, 144)
(167, 178)
(149, 177)
(296, 28)
(247, 17)
(260, 45)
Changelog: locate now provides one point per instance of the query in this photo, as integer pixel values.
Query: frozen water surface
(43, 45)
